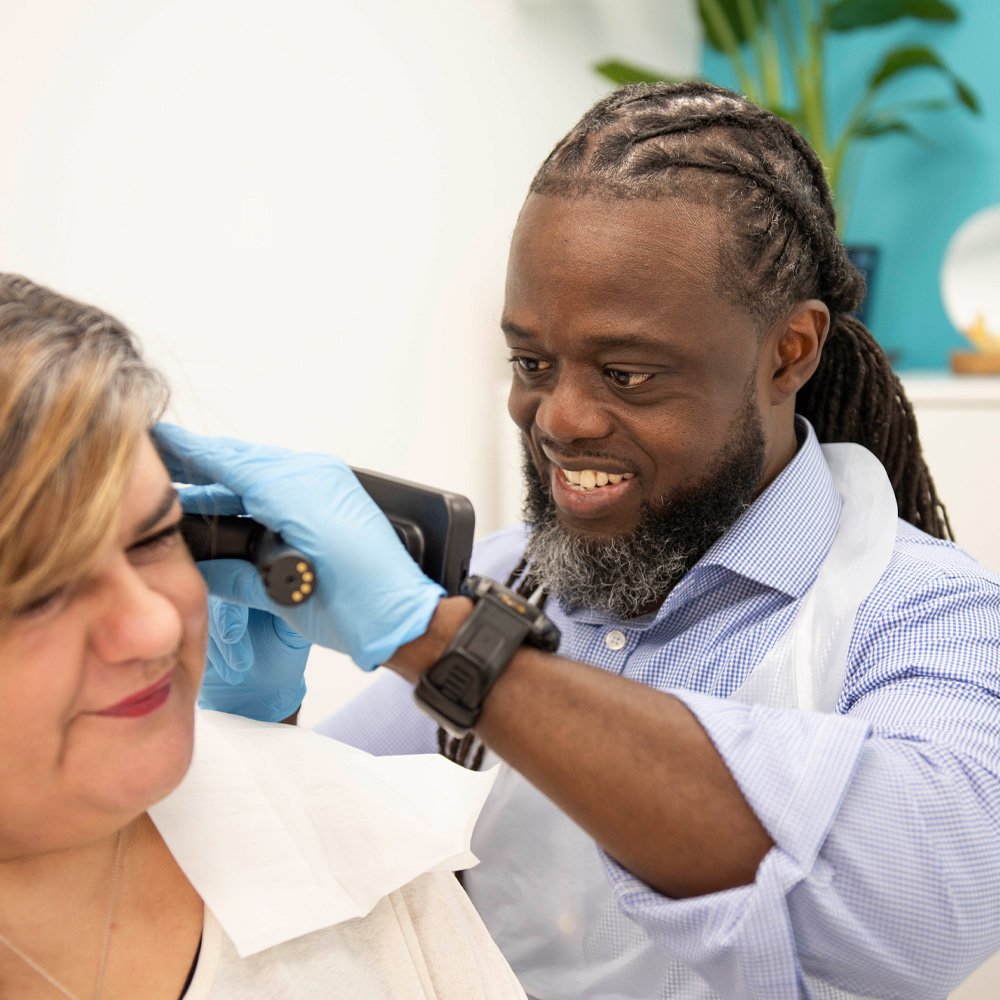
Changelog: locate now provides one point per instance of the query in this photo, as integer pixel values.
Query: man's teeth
(590, 479)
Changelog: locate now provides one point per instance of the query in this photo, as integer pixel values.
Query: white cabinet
(958, 418)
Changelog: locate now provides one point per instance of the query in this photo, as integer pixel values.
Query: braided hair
(705, 144)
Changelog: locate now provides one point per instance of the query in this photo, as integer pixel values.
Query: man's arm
(880, 867)
(631, 765)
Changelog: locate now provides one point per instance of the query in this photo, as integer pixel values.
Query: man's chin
(596, 534)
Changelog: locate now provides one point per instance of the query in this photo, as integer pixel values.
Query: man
(765, 761)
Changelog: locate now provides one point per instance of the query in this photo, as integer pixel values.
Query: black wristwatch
(453, 690)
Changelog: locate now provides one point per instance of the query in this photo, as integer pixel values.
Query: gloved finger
(287, 635)
(229, 621)
(218, 657)
(197, 459)
(238, 581)
(208, 500)
(173, 456)
(231, 652)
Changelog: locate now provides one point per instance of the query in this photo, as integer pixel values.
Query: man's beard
(629, 575)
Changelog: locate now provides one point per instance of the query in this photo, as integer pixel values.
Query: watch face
(453, 690)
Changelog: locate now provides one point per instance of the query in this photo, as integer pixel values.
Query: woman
(102, 644)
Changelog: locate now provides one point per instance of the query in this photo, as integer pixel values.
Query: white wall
(304, 208)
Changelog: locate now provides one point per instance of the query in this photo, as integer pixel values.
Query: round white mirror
(970, 289)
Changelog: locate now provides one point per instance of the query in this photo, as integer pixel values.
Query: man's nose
(133, 621)
(570, 410)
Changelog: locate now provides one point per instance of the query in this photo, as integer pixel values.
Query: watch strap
(453, 690)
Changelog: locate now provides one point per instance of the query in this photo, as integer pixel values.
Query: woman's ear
(794, 346)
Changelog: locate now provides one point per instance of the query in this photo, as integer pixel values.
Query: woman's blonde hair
(75, 394)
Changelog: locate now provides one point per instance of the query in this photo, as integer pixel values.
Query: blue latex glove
(241, 639)
(370, 597)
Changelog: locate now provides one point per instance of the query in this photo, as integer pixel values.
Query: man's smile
(586, 486)
(581, 501)
(588, 479)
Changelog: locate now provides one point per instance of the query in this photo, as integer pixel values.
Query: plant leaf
(966, 95)
(846, 15)
(872, 128)
(730, 12)
(908, 57)
(931, 104)
(904, 58)
(620, 73)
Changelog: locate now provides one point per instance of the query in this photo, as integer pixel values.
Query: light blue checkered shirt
(885, 875)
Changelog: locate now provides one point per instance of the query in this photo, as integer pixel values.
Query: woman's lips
(142, 702)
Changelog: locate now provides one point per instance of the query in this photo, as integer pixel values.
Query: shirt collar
(781, 540)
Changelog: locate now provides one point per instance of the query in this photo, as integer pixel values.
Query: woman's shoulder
(459, 956)
(420, 941)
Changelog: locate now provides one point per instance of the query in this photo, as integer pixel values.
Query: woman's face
(98, 683)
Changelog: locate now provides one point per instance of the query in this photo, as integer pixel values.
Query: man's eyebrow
(613, 341)
(162, 509)
(513, 330)
(610, 342)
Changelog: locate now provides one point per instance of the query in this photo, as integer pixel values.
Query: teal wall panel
(910, 196)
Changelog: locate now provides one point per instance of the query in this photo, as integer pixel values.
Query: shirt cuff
(794, 768)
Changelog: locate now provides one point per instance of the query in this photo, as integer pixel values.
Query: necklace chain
(105, 943)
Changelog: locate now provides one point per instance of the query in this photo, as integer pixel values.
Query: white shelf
(944, 389)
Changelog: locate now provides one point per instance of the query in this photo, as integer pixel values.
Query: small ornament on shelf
(985, 359)
(970, 291)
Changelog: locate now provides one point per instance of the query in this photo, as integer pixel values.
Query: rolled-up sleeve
(884, 878)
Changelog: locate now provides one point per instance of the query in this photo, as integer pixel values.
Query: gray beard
(630, 575)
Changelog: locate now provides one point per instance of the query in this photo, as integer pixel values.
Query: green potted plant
(777, 50)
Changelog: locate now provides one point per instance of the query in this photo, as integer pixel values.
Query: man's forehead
(648, 250)
(649, 219)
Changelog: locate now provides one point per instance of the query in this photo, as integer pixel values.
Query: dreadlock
(703, 143)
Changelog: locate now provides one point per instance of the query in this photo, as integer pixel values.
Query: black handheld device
(288, 575)
(435, 526)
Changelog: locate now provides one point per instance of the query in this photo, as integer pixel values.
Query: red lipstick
(142, 702)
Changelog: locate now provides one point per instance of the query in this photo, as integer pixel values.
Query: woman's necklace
(105, 944)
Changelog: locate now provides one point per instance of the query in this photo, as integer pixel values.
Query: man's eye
(530, 366)
(627, 380)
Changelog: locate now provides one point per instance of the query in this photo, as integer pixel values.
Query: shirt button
(615, 639)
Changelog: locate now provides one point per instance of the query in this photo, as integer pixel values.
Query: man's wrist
(453, 690)
(416, 656)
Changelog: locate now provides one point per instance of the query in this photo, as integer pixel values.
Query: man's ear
(793, 347)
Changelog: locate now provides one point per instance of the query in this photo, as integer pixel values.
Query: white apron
(541, 888)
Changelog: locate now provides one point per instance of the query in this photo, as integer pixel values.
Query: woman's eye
(37, 607)
(155, 544)
(627, 380)
(530, 366)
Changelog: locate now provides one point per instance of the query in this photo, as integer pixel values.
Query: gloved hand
(241, 639)
(370, 597)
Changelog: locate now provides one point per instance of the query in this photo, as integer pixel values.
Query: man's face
(635, 384)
